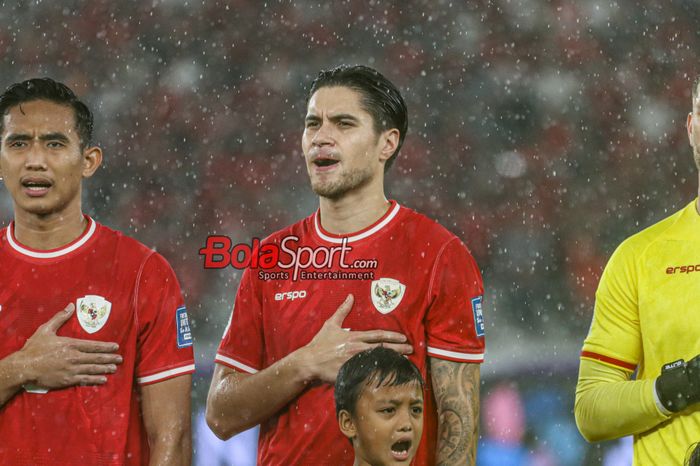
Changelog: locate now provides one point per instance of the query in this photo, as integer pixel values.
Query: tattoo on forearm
(456, 387)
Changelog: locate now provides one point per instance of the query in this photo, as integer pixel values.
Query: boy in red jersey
(401, 281)
(379, 405)
(106, 380)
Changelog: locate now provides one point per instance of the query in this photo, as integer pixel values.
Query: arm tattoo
(456, 388)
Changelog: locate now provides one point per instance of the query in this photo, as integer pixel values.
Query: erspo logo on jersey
(683, 269)
(220, 252)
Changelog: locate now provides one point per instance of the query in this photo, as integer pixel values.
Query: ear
(347, 425)
(92, 159)
(389, 141)
(689, 127)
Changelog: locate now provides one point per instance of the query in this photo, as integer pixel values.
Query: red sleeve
(165, 338)
(241, 347)
(454, 321)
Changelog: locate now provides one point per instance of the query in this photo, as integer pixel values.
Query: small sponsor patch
(184, 334)
(478, 316)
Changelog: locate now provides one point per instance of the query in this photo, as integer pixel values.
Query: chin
(39, 209)
(329, 191)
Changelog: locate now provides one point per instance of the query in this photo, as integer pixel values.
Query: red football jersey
(124, 293)
(424, 283)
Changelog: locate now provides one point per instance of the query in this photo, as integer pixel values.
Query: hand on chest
(300, 308)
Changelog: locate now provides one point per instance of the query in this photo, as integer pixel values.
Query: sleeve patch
(182, 323)
(478, 316)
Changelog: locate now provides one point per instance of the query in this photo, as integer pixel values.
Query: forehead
(333, 100)
(39, 117)
(405, 393)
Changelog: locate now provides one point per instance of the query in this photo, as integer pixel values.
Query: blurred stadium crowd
(541, 132)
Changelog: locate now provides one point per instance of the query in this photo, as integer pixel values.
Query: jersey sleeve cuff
(609, 361)
(165, 375)
(659, 405)
(232, 363)
(455, 356)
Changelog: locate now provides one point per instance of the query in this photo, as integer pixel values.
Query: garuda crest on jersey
(387, 293)
(93, 312)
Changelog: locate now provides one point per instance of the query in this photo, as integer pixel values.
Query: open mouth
(399, 450)
(325, 162)
(36, 186)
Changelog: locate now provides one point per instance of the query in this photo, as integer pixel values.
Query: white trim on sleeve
(165, 374)
(469, 357)
(234, 363)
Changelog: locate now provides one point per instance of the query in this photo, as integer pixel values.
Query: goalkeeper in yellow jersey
(647, 318)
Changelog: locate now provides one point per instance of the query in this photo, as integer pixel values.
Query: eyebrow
(44, 137)
(398, 402)
(334, 118)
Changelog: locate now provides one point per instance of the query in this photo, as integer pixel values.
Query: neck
(360, 462)
(52, 231)
(352, 212)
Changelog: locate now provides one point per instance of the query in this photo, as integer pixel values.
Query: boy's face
(387, 425)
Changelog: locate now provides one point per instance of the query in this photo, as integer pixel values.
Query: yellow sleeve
(610, 405)
(614, 337)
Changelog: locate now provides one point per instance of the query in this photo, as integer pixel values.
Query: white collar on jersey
(360, 235)
(54, 252)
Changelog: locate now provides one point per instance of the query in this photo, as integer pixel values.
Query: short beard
(347, 182)
(696, 157)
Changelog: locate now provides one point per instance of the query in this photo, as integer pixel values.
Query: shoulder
(131, 250)
(126, 243)
(665, 229)
(428, 230)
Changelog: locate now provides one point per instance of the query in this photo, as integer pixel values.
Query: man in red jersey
(374, 273)
(106, 380)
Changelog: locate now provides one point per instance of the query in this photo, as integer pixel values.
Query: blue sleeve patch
(182, 323)
(478, 316)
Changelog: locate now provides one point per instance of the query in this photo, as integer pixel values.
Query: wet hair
(380, 98)
(694, 459)
(53, 91)
(378, 367)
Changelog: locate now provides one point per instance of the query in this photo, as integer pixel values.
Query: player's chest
(387, 295)
(30, 296)
(668, 294)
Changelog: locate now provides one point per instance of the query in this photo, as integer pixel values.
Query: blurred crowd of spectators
(541, 132)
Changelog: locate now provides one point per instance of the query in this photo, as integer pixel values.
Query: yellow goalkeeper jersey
(647, 313)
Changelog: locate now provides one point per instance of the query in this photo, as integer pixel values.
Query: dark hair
(380, 98)
(48, 89)
(379, 367)
(694, 459)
